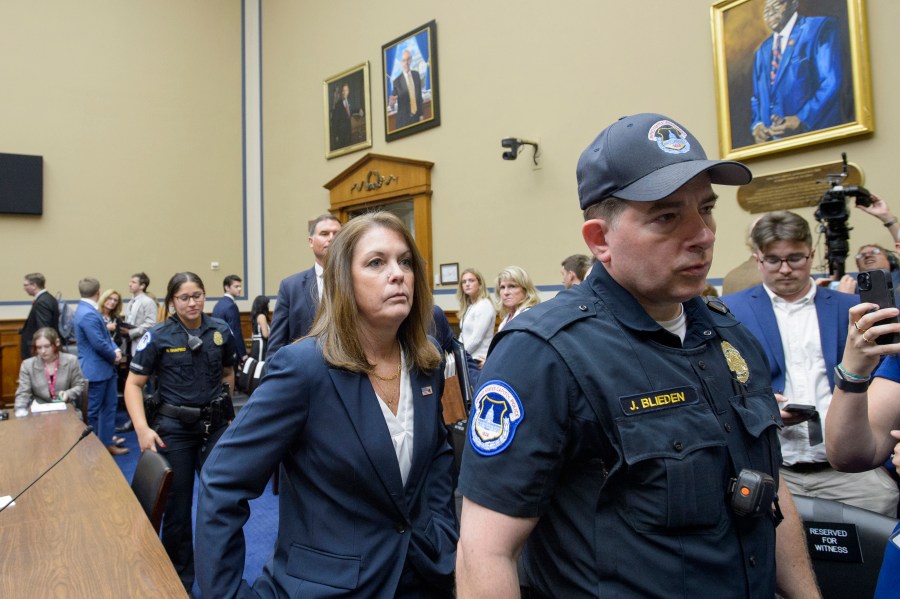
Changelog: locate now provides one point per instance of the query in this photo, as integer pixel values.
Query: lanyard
(51, 378)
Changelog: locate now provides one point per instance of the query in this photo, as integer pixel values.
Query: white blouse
(401, 427)
(506, 320)
(477, 328)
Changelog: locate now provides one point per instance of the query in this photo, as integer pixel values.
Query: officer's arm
(228, 378)
(794, 574)
(134, 403)
(489, 545)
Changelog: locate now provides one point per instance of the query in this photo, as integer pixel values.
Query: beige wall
(136, 107)
(525, 69)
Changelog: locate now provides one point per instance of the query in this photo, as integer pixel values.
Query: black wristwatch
(848, 385)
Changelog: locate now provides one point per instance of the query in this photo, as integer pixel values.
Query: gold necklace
(387, 379)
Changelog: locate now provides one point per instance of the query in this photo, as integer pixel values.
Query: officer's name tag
(658, 400)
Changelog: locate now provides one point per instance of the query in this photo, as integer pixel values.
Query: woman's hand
(847, 284)
(895, 454)
(148, 439)
(862, 352)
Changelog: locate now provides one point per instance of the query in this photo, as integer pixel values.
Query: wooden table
(79, 531)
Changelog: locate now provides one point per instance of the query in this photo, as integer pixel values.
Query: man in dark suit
(299, 294)
(98, 356)
(802, 329)
(227, 310)
(340, 120)
(797, 74)
(44, 310)
(408, 94)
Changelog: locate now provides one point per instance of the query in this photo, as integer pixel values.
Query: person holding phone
(863, 425)
(803, 328)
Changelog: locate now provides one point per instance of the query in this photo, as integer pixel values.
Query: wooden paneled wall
(10, 359)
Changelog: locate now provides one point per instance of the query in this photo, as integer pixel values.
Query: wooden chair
(150, 484)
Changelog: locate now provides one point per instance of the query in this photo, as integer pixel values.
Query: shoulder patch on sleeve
(145, 340)
(496, 413)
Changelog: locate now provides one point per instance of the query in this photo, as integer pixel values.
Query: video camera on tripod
(832, 215)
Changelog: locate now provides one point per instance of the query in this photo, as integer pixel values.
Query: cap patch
(669, 137)
(496, 413)
(144, 342)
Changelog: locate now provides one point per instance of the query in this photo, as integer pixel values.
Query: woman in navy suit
(353, 415)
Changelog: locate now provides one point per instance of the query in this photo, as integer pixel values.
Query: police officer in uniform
(624, 436)
(189, 355)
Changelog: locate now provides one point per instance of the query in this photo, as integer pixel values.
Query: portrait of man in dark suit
(347, 104)
(411, 83)
(340, 119)
(408, 93)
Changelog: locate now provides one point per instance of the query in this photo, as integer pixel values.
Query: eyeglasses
(773, 263)
(186, 298)
(872, 252)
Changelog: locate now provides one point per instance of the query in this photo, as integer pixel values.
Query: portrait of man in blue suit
(798, 74)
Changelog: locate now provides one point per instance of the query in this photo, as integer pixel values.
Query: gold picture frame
(348, 110)
(753, 88)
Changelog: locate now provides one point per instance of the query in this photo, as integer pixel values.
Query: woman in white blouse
(515, 294)
(477, 314)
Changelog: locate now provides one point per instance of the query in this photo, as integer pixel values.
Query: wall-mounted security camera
(513, 144)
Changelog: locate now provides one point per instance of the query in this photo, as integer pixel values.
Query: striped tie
(776, 59)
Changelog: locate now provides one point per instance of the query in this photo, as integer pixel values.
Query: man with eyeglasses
(803, 328)
(872, 256)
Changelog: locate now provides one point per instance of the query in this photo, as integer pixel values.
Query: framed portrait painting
(410, 75)
(790, 73)
(348, 126)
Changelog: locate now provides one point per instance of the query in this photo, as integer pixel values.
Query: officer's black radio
(752, 493)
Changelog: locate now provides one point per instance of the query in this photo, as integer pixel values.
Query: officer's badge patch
(661, 399)
(496, 412)
(736, 362)
(217, 338)
(144, 341)
(669, 137)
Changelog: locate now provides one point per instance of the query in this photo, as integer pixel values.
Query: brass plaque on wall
(793, 189)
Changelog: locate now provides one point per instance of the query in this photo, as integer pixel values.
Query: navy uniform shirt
(622, 441)
(185, 377)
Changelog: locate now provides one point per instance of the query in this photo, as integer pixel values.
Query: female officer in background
(185, 353)
(353, 415)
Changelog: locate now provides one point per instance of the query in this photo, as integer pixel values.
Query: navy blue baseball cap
(646, 157)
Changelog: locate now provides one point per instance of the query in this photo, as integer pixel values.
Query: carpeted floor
(260, 529)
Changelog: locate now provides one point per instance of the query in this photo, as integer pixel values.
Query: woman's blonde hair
(518, 276)
(337, 320)
(117, 311)
(463, 299)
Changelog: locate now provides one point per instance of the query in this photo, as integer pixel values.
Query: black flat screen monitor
(21, 184)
